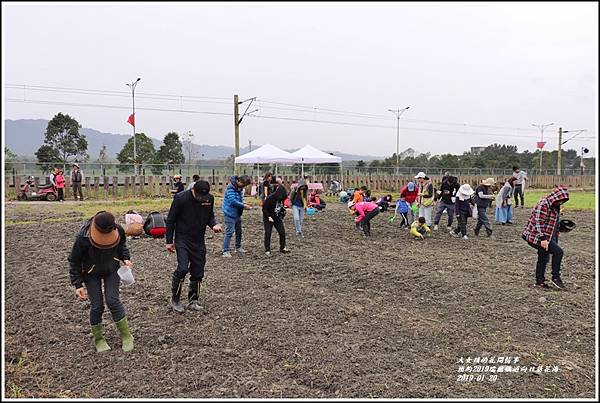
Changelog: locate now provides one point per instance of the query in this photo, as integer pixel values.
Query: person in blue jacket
(233, 207)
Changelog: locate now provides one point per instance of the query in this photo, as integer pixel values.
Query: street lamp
(398, 112)
(542, 127)
(581, 164)
(132, 86)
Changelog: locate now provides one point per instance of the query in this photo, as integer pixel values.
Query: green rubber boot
(127, 338)
(99, 340)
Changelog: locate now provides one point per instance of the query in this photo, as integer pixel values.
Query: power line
(32, 87)
(43, 102)
(456, 132)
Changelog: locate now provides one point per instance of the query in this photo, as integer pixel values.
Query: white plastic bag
(475, 214)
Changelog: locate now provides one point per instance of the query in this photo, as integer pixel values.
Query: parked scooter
(43, 192)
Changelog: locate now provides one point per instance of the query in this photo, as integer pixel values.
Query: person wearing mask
(76, 179)
(446, 198)
(233, 206)
(190, 213)
(195, 179)
(504, 210)
(521, 177)
(94, 261)
(273, 212)
(299, 203)
(425, 197)
(541, 233)
(483, 200)
(177, 185)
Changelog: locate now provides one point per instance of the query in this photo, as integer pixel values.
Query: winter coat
(463, 207)
(299, 196)
(483, 196)
(358, 197)
(448, 190)
(279, 195)
(59, 181)
(76, 176)
(543, 222)
(363, 208)
(188, 218)
(410, 197)
(87, 260)
(233, 201)
(416, 229)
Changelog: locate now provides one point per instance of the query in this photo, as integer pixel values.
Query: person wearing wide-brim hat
(76, 179)
(462, 210)
(483, 199)
(94, 259)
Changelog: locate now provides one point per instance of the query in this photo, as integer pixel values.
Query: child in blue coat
(402, 208)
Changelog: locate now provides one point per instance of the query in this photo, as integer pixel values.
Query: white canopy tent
(267, 154)
(310, 155)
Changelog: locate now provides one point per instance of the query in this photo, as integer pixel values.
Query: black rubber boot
(194, 295)
(176, 286)
(489, 232)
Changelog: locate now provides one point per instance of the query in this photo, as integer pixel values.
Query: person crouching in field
(462, 210)
(419, 229)
(99, 246)
(504, 208)
(541, 233)
(384, 202)
(366, 212)
(190, 213)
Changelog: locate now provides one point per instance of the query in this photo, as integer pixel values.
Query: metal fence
(26, 168)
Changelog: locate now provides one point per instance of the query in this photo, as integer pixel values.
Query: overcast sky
(464, 65)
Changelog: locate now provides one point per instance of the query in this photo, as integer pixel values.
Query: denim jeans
(440, 210)
(482, 219)
(519, 192)
(232, 225)
(543, 255)
(298, 213)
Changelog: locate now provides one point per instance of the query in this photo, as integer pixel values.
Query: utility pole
(541, 127)
(398, 112)
(132, 86)
(559, 157)
(236, 122)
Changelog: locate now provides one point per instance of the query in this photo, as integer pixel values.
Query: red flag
(541, 144)
(131, 119)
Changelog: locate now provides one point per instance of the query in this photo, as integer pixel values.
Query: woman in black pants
(273, 218)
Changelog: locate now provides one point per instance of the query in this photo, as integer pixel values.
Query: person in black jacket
(98, 248)
(483, 200)
(445, 200)
(190, 213)
(273, 218)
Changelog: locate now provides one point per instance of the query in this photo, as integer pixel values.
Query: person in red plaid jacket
(541, 233)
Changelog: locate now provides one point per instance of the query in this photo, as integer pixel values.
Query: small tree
(145, 152)
(62, 135)
(9, 157)
(170, 152)
(48, 157)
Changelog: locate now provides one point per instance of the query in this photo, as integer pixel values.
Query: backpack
(134, 223)
(155, 225)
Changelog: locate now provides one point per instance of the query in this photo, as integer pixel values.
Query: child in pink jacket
(366, 211)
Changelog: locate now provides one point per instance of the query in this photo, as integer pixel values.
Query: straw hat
(103, 231)
(75, 165)
(488, 182)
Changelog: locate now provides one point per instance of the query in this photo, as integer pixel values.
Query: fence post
(126, 187)
(105, 187)
(142, 180)
(96, 183)
(115, 186)
(87, 185)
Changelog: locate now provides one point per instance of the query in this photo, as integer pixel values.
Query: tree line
(495, 156)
